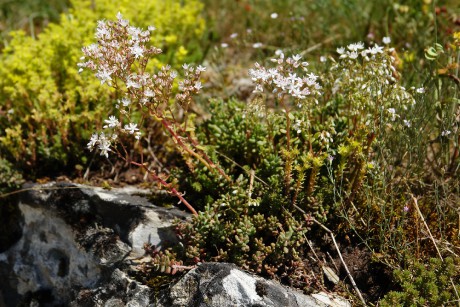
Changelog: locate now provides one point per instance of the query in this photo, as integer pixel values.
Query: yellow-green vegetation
(47, 106)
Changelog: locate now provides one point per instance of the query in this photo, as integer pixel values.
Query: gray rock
(223, 284)
(75, 239)
(119, 291)
(79, 246)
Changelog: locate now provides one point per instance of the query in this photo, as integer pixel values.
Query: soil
(372, 277)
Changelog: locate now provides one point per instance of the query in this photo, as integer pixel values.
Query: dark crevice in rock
(11, 221)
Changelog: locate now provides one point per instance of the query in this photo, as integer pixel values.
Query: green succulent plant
(426, 285)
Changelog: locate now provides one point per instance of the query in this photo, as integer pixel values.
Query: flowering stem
(206, 157)
(202, 158)
(288, 124)
(167, 185)
(288, 162)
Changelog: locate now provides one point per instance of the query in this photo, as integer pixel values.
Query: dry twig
(353, 283)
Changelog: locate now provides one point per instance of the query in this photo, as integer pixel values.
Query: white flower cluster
(283, 79)
(119, 59)
(191, 85)
(369, 81)
(102, 142)
(119, 44)
(356, 49)
(326, 138)
(297, 126)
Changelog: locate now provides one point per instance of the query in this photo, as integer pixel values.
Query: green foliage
(426, 285)
(327, 157)
(10, 178)
(48, 104)
(31, 15)
(254, 222)
(303, 23)
(264, 239)
(416, 154)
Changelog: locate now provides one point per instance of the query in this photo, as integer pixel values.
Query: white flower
(296, 57)
(198, 86)
(151, 28)
(353, 55)
(104, 76)
(137, 51)
(376, 49)
(234, 35)
(224, 45)
(393, 113)
(131, 128)
(274, 16)
(356, 46)
(420, 90)
(200, 68)
(149, 93)
(101, 31)
(138, 135)
(134, 32)
(132, 83)
(257, 45)
(446, 133)
(322, 59)
(111, 122)
(92, 142)
(341, 50)
(312, 76)
(125, 101)
(297, 126)
(124, 22)
(386, 40)
(104, 147)
(407, 123)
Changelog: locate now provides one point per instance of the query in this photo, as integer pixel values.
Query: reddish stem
(203, 158)
(168, 186)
